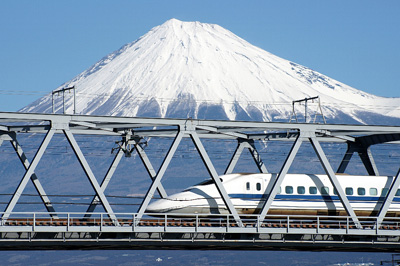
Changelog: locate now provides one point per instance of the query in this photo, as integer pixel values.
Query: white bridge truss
(129, 131)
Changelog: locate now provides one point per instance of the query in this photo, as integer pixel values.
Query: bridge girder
(358, 137)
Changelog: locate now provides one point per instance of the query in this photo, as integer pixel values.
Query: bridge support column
(249, 144)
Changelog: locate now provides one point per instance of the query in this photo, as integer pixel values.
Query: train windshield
(207, 182)
(203, 183)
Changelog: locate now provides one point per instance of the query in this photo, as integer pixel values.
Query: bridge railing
(200, 222)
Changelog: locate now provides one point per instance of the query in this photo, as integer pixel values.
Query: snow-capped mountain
(192, 69)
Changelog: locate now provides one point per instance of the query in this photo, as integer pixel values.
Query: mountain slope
(192, 69)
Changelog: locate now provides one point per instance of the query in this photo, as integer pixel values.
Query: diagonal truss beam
(29, 172)
(157, 180)
(389, 198)
(110, 172)
(39, 188)
(346, 159)
(369, 162)
(121, 151)
(203, 154)
(214, 175)
(257, 158)
(249, 144)
(235, 158)
(4, 136)
(149, 167)
(228, 133)
(335, 182)
(90, 175)
(365, 154)
(273, 189)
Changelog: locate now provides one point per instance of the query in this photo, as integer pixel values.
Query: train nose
(155, 207)
(174, 203)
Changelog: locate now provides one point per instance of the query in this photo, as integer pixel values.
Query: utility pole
(305, 100)
(63, 90)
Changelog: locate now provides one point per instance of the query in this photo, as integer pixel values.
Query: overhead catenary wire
(104, 96)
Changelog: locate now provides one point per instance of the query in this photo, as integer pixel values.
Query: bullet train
(299, 194)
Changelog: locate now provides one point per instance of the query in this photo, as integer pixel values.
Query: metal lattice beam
(273, 188)
(49, 124)
(110, 172)
(90, 175)
(38, 186)
(214, 175)
(389, 198)
(331, 174)
(121, 151)
(157, 180)
(365, 155)
(29, 172)
(149, 167)
(249, 144)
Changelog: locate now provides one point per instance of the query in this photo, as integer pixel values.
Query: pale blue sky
(45, 43)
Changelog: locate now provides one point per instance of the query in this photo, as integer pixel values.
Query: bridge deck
(72, 231)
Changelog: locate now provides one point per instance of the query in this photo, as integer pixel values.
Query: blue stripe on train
(310, 197)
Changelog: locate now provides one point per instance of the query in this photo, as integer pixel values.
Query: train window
(324, 190)
(248, 186)
(301, 190)
(398, 192)
(384, 191)
(289, 190)
(349, 191)
(373, 191)
(335, 191)
(258, 186)
(361, 191)
(313, 190)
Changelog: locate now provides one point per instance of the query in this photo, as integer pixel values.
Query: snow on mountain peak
(192, 69)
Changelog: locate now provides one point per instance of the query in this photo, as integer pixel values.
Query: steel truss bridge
(93, 230)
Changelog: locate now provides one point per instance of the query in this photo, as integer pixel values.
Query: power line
(170, 100)
(21, 92)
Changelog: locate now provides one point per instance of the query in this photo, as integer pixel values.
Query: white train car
(298, 194)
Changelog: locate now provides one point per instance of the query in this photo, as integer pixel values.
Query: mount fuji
(192, 69)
